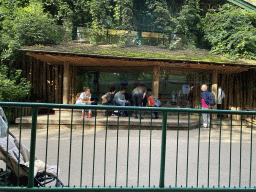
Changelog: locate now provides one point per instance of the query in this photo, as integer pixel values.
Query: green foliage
(231, 32)
(32, 26)
(25, 25)
(163, 18)
(22, 22)
(123, 14)
(13, 88)
(94, 34)
(188, 22)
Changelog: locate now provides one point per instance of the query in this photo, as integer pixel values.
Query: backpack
(211, 99)
(157, 102)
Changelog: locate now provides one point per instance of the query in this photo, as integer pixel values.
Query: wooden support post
(66, 83)
(215, 90)
(156, 76)
(238, 95)
(97, 76)
(60, 84)
(197, 91)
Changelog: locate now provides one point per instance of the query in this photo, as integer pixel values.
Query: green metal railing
(127, 154)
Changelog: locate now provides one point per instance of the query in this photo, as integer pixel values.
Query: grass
(149, 52)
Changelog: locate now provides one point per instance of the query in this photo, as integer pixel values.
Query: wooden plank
(66, 79)
(230, 93)
(52, 84)
(156, 76)
(33, 74)
(70, 84)
(56, 80)
(37, 75)
(44, 81)
(238, 95)
(49, 83)
(250, 91)
(61, 84)
(74, 83)
(197, 95)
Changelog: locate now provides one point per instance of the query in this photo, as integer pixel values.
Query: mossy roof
(139, 51)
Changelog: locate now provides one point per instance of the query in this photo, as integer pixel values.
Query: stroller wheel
(59, 184)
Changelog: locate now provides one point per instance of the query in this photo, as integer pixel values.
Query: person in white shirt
(85, 99)
(221, 96)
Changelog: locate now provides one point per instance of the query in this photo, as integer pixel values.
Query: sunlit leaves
(231, 32)
(13, 88)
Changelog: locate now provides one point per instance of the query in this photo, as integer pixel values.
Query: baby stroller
(16, 157)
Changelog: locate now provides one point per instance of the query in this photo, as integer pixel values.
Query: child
(84, 99)
(153, 102)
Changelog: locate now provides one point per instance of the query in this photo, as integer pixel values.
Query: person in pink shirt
(204, 100)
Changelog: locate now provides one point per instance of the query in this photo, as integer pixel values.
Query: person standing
(119, 100)
(221, 96)
(138, 94)
(205, 105)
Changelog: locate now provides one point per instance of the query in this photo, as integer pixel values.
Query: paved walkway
(122, 122)
(65, 121)
(123, 157)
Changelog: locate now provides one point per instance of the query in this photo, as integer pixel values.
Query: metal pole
(163, 150)
(32, 148)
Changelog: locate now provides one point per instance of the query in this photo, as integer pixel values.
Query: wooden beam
(156, 76)
(196, 92)
(66, 83)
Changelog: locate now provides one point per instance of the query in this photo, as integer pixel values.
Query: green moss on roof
(142, 51)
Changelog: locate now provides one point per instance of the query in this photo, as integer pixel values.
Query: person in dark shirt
(138, 94)
(108, 98)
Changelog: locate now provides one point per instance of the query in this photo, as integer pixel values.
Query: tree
(231, 32)
(22, 22)
(30, 25)
(188, 21)
(26, 25)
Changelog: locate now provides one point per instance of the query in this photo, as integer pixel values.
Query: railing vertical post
(163, 150)
(32, 148)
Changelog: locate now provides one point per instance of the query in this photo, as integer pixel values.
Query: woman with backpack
(206, 104)
(153, 102)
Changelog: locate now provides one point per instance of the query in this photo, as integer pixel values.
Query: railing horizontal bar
(131, 108)
(98, 189)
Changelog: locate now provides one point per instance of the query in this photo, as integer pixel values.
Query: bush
(30, 25)
(13, 88)
(231, 32)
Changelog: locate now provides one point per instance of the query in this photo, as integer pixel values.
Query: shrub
(231, 32)
(30, 25)
(13, 88)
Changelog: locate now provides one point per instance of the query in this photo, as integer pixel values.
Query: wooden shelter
(53, 75)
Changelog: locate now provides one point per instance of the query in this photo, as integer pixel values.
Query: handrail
(131, 108)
